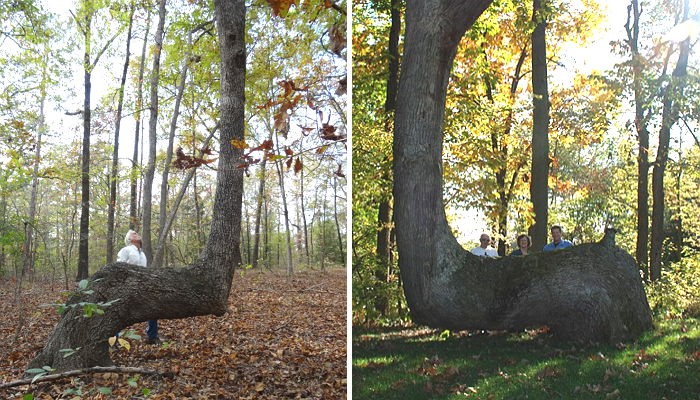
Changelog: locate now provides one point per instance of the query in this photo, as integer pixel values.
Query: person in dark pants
(132, 254)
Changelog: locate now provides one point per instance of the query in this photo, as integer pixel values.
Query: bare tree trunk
(258, 211)
(280, 175)
(640, 123)
(671, 105)
(146, 228)
(335, 216)
(168, 159)
(539, 184)
(303, 215)
(115, 152)
(134, 204)
(29, 247)
(83, 268)
(588, 292)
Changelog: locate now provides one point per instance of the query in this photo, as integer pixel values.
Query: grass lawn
(421, 363)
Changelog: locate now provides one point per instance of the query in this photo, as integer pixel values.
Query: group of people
(486, 249)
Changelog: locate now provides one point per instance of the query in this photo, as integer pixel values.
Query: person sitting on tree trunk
(132, 254)
(557, 242)
(485, 249)
(524, 244)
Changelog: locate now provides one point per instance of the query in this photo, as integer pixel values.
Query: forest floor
(422, 363)
(281, 338)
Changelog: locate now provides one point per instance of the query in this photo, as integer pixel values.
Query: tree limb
(83, 371)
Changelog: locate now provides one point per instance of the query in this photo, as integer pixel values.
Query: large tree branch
(84, 371)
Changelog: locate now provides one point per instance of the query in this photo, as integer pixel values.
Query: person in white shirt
(132, 254)
(484, 249)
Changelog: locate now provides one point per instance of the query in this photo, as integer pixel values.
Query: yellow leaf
(259, 387)
(112, 340)
(125, 344)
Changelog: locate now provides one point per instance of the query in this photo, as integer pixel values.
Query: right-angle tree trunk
(589, 292)
(138, 294)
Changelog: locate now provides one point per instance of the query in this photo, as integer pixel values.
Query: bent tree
(166, 293)
(589, 292)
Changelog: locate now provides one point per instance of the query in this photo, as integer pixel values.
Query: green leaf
(28, 396)
(83, 284)
(105, 390)
(132, 382)
(34, 371)
(146, 392)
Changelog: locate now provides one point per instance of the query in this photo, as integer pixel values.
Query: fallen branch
(114, 369)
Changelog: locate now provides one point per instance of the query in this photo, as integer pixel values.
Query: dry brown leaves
(282, 338)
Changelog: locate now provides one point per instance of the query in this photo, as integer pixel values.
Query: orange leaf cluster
(184, 161)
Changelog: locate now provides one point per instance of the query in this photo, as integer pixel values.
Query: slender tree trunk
(258, 211)
(146, 230)
(266, 237)
(640, 123)
(115, 152)
(540, 128)
(341, 248)
(83, 257)
(29, 247)
(671, 105)
(168, 159)
(280, 175)
(303, 215)
(384, 209)
(134, 204)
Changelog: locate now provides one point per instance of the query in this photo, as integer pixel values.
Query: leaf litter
(282, 338)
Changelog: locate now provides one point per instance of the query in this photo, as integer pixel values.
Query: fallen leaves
(278, 340)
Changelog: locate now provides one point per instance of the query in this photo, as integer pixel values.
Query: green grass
(420, 363)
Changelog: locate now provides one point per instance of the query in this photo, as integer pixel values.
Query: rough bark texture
(167, 293)
(539, 185)
(85, 157)
(590, 292)
(143, 293)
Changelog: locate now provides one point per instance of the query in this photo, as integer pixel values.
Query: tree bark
(133, 204)
(669, 116)
(115, 153)
(590, 292)
(258, 211)
(146, 227)
(640, 124)
(83, 267)
(540, 129)
(198, 289)
(162, 215)
(335, 216)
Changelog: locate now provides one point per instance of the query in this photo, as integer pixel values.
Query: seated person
(485, 249)
(557, 242)
(524, 244)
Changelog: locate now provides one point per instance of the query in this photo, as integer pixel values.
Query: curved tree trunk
(590, 292)
(166, 293)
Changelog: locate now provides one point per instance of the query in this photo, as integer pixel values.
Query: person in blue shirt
(557, 242)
